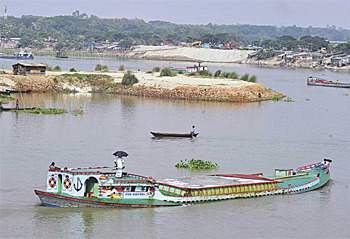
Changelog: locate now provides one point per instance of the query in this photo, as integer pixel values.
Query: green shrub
(129, 79)
(217, 73)
(225, 74)
(196, 164)
(104, 69)
(121, 68)
(72, 70)
(252, 78)
(112, 85)
(233, 75)
(156, 69)
(245, 77)
(100, 67)
(167, 72)
(57, 68)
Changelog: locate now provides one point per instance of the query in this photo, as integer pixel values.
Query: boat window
(178, 191)
(133, 189)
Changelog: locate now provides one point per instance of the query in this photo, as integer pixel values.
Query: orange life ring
(67, 183)
(52, 182)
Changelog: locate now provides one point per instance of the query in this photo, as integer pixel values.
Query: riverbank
(149, 85)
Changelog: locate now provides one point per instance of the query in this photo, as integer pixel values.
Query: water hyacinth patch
(50, 111)
(194, 164)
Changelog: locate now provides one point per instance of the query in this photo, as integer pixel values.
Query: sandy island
(150, 85)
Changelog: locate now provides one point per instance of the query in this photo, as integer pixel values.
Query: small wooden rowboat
(321, 82)
(100, 187)
(19, 109)
(181, 135)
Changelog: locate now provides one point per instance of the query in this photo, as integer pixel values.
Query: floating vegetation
(49, 111)
(289, 100)
(194, 164)
(276, 98)
(78, 112)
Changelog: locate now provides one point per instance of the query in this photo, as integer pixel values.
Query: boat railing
(244, 176)
(292, 176)
(308, 167)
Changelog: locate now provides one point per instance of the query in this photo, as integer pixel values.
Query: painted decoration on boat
(52, 182)
(79, 185)
(67, 183)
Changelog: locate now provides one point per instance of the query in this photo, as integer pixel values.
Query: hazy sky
(303, 13)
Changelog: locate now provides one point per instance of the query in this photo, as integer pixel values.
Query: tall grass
(129, 79)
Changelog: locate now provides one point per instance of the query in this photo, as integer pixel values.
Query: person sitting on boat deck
(193, 130)
(52, 166)
(119, 164)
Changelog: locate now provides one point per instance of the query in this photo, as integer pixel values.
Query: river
(240, 138)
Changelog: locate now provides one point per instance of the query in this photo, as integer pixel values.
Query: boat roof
(213, 181)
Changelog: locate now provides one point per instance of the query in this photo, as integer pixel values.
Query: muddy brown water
(241, 138)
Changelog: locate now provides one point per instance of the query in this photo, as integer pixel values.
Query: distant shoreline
(188, 54)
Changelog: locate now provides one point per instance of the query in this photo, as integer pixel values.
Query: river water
(241, 138)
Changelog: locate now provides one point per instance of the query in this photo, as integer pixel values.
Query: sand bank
(188, 54)
(150, 85)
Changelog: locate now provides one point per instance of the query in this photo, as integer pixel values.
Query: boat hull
(55, 200)
(180, 135)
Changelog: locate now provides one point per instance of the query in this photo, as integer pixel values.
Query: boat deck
(211, 181)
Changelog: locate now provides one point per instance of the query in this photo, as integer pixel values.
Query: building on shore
(29, 69)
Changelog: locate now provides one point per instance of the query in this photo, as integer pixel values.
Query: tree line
(77, 31)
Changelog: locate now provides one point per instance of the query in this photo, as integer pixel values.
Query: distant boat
(7, 92)
(181, 135)
(22, 55)
(321, 82)
(17, 109)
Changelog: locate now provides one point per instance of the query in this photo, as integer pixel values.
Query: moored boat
(22, 55)
(322, 82)
(101, 187)
(169, 134)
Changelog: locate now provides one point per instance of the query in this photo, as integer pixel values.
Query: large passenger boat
(103, 187)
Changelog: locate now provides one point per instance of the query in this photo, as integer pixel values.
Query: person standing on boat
(193, 130)
(119, 164)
